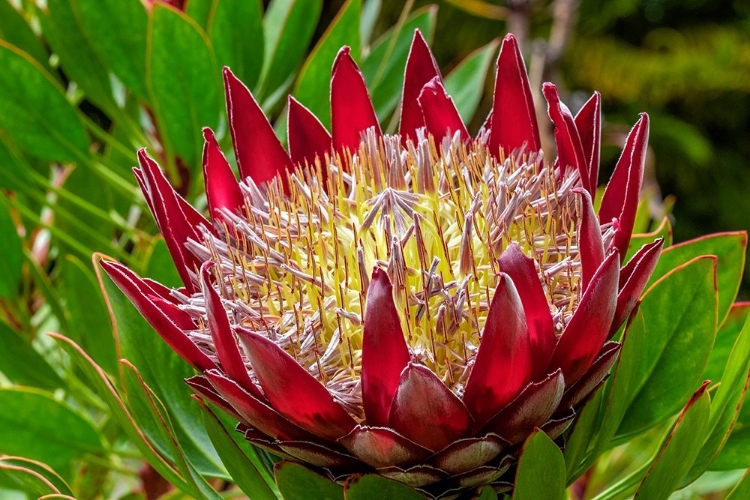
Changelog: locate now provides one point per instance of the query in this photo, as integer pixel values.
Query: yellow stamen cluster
(435, 216)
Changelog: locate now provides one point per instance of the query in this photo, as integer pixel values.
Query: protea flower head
(412, 304)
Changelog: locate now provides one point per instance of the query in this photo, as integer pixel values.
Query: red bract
(414, 305)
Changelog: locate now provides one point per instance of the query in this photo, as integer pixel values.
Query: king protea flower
(413, 305)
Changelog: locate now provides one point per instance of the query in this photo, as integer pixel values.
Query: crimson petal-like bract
(513, 123)
(293, 391)
(569, 148)
(308, 139)
(138, 293)
(503, 363)
(384, 350)
(522, 271)
(352, 112)
(620, 198)
(588, 120)
(633, 279)
(259, 152)
(589, 239)
(589, 327)
(222, 189)
(439, 419)
(441, 117)
(420, 69)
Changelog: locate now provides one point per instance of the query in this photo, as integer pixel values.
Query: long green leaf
(236, 31)
(11, 250)
(297, 482)
(15, 30)
(465, 84)
(541, 470)
(34, 111)
(374, 487)
(24, 365)
(184, 80)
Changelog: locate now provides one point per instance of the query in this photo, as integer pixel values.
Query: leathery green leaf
(35, 112)
(22, 364)
(726, 407)
(15, 30)
(726, 336)
(672, 339)
(247, 473)
(24, 433)
(68, 38)
(31, 476)
(184, 80)
(541, 470)
(742, 490)
(296, 482)
(730, 250)
(11, 250)
(680, 449)
(313, 86)
(465, 84)
(236, 31)
(383, 68)
(664, 230)
(374, 487)
(164, 372)
(288, 27)
(117, 30)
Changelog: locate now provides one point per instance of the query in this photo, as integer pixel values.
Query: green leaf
(200, 11)
(164, 372)
(66, 35)
(34, 111)
(465, 84)
(370, 11)
(31, 476)
(541, 470)
(728, 247)
(245, 469)
(117, 30)
(727, 403)
(11, 250)
(297, 482)
(184, 81)
(734, 453)
(383, 68)
(581, 435)
(288, 27)
(680, 449)
(638, 240)
(89, 321)
(486, 493)
(15, 30)
(725, 339)
(666, 347)
(313, 86)
(375, 487)
(742, 490)
(22, 364)
(37, 426)
(236, 31)
(103, 386)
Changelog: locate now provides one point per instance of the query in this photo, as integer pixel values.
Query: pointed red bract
(513, 123)
(204, 389)
(352, 112)
(533, 407)
(384, 350)
(293, 391)
(620, 198)
(308, 139)
(420, 69)
(254, 411)
(633, 279)
(503, 363)
(226, 346)
(381, 447)
(569, 148)
(589, 327)
(259, 152)
(522, 271)
(176, 224)
(594, 376)
(138, 293)
(590, 243)
(441, 117)
(222, 189)
(589, 124)
(426, 411)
